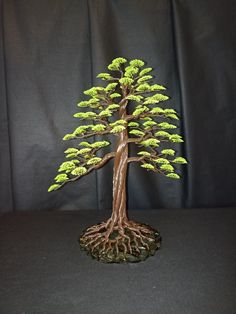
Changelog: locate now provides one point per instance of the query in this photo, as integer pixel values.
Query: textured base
(130, 242)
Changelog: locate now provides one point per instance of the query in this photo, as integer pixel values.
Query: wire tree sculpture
(126, 108)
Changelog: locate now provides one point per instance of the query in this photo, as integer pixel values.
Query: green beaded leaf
(71, 150)
(137, 63)
(144, 153)
(85, 115)
(156, 99)
(173, 175)
(53, 187)
(115, 95)
(148, 166)
(67, 165)
(139, 110)
(104, 76)
(126, 81)
(117, 129)
(84, 103)
(150, 142)
(98, 128)
(100, 144)
(143, 87)
(130, 71)
(162, 161)
(78, 171)
(136, 132)
(167, 167)
(61, 178)
(149, 123)
(145, 71)
(144, 78)
(133, 124)
(85, 144)
(166, 125)
(113, 107)
(157, 110)
(84, 151)
(175, 138)
(180, 160)
(94, 161)
(69, 137)
(105, 113)
(119, 122)
(134, 98)
(162, 134)
(156, 87)
(170, 152)
(172, 116)
(111, 87)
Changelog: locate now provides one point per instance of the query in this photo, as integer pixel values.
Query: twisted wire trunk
(119, 211)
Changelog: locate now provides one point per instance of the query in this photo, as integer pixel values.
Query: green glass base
(112, 243)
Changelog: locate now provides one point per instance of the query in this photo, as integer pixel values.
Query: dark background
(51, 50)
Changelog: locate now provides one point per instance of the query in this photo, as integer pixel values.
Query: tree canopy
(149, 124)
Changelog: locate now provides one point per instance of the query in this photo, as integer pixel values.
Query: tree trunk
(119, 212)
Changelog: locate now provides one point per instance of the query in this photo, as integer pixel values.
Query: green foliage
(153, 142)
(119, 122)
(157, 110)
(156, 87)
(162, 161)
(111, 87)
(162, 134)
(126, 81)
(79, 171)
(144, 78)
(104, 76)
(130, 71)
(134, 98)
(116, 63)
(148, 166)
(105, 113)
(170, 152)
(148, 124)
(137, 63)
(84, 151)
(175, 138)
(144, 153)
(98, 128)
(145, 71)
(85, 144)
(67, 166)
(136, 132)
(167, 167)
(69, 137)
(115, 95)
(128, 85)
(155, 99)
(180, 160)
(166, 126)
(173, 175)
(61, 178)
(94, 161)
(99, 144)
(139, 110)
(143, 87)
(118, 129)
(53, 187)
(85, 115)
(133, 124)
(113, 107)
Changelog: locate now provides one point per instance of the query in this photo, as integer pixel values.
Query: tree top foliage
(128, 102)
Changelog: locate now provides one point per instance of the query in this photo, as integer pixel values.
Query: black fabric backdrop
(52, 50)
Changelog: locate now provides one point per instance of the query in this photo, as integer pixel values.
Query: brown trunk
(119, 213)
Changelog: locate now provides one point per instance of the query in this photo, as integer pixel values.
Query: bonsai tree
(129, 110)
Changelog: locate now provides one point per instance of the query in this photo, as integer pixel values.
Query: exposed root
(126, 241)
